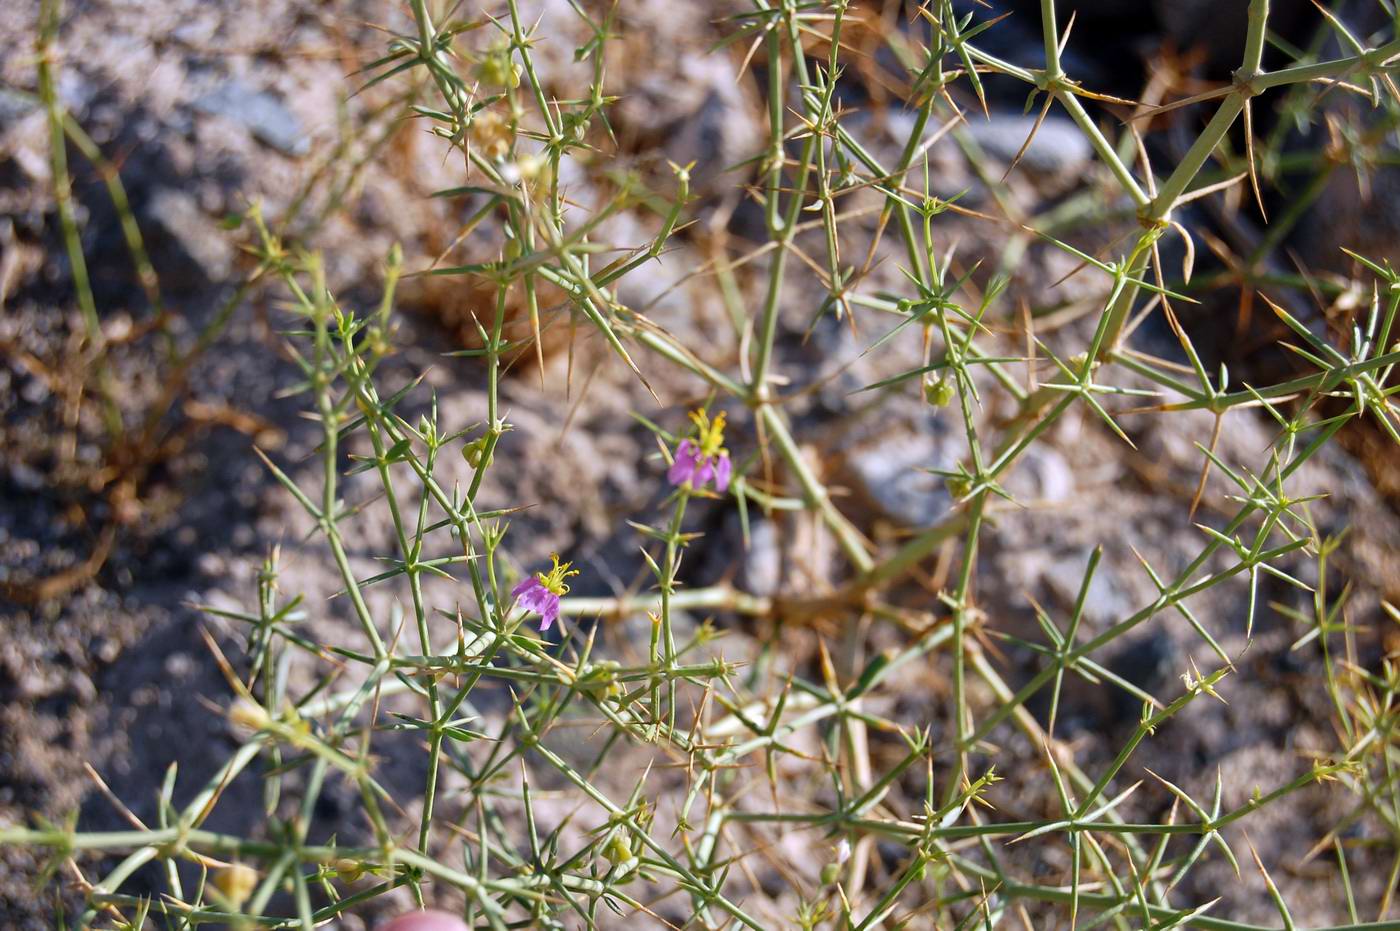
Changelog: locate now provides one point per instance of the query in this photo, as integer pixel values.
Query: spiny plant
(472, 626)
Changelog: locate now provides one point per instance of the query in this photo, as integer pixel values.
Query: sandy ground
(208, 106)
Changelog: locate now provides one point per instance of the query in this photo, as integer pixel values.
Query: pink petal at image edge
(424, 921)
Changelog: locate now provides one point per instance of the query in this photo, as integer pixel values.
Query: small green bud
(377, 345)
(830, 873)
(349, 870)
(959, 486)
(497, 69)
(474, 452)
(938, 392)
(618, 850)
(600, 680)
(237, 882)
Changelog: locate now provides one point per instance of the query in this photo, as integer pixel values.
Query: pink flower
(541, 592)
(533, 596)
(704, 459)
(425, 921)
(722, 470)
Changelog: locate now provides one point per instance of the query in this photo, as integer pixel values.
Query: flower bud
(497, 69)
(348, 870)
(237, 882)
(618, 850)
(473, 452)
(938, 392)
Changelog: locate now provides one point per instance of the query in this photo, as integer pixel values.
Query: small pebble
(266, 116)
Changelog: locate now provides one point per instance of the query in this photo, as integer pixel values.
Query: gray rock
(1108, 600)
(762, 568)
(15, 107)
(1042, 476)
(948, 174)
(75, 91)
(697, 112)
(264, 115)
(891, 473)
(1058, 148)
(187, 237)
(26, 477)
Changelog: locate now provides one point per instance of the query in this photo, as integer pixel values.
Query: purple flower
(533, 596)
(722, 470)
(704, 459)
(688, 466)
(541, 592)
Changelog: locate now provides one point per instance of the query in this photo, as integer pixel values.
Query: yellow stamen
(554, 578)
(709, 433)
